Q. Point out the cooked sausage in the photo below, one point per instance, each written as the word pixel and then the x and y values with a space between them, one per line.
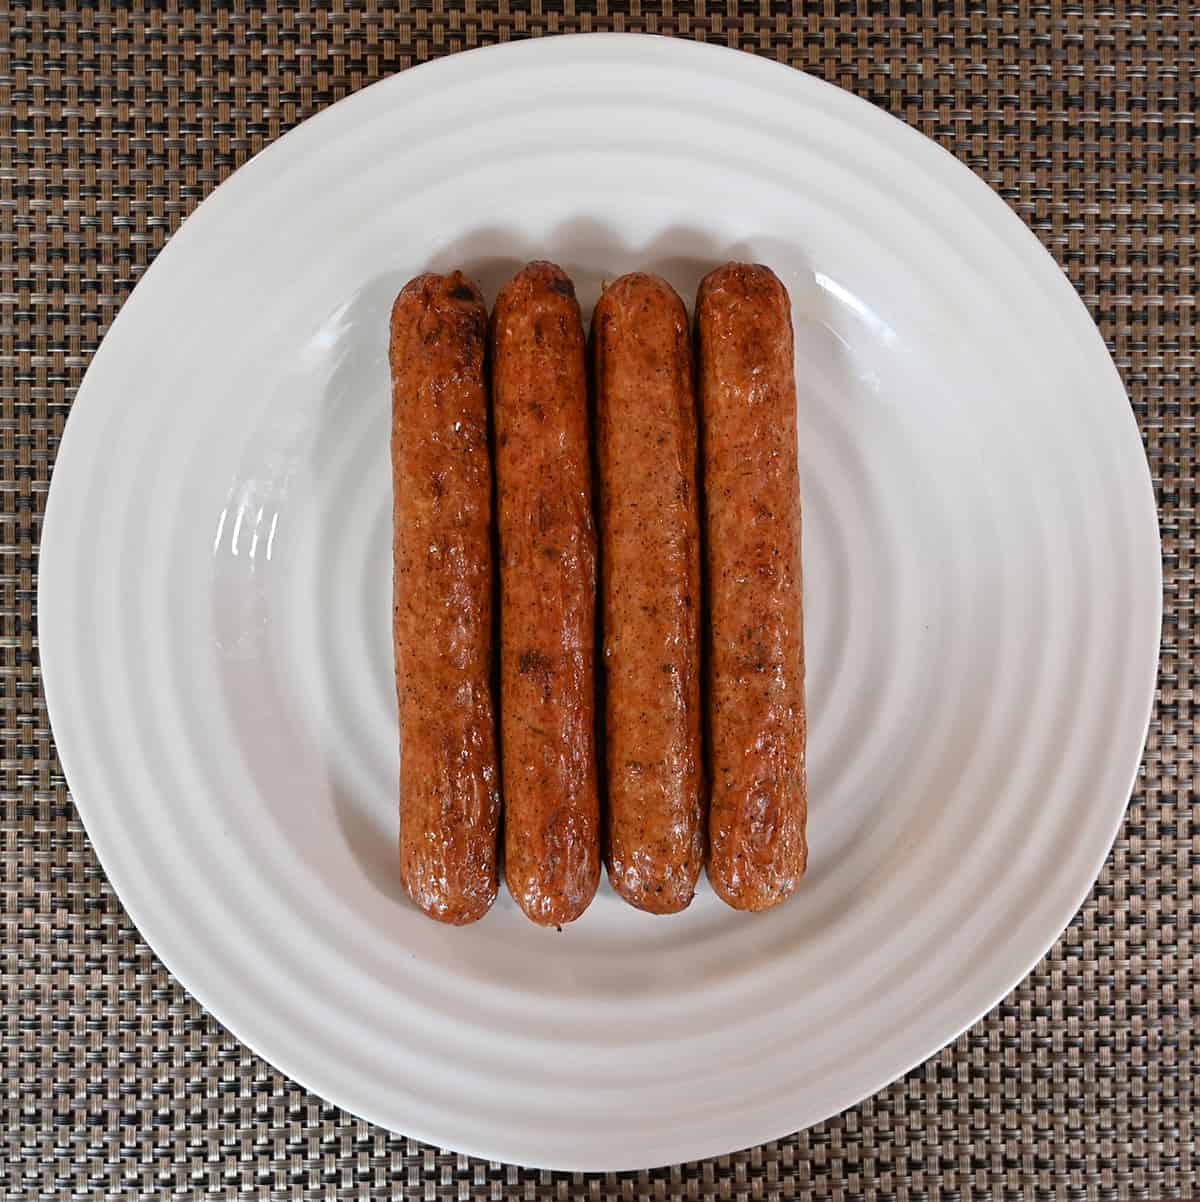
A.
pixel 548 596
pixel 449 778
pixel 650 591
pixel 757 845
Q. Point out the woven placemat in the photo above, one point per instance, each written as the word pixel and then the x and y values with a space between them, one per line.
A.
pixel 113 127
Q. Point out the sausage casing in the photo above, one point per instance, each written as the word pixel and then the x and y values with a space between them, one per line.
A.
pixel 646 455
pixel 548 595
pixel 442 549
pixel 757 723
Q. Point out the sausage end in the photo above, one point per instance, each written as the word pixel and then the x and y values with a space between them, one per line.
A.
pixel 666 894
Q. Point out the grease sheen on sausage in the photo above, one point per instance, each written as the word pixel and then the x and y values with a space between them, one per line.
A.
pixel 442 550
pixel 650 591
pixel 757 722
pixel 548 593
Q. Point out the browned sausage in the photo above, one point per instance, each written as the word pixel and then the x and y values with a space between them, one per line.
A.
pixel 757 847
pixel 548 595
pixel 650 592
pixel 449 779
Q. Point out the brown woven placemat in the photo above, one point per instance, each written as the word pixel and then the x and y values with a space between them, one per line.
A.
pixel 114 125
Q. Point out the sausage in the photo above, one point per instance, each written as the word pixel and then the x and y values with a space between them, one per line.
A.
pixel 548 596
pixel 442 548
pixel 757 723
pixel 646 454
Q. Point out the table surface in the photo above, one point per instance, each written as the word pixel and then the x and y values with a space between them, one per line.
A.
pixel 114 126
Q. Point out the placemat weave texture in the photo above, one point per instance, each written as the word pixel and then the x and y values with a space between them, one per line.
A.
pixel 115 124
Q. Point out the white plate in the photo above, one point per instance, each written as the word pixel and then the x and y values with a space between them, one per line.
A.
pixel 982 575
